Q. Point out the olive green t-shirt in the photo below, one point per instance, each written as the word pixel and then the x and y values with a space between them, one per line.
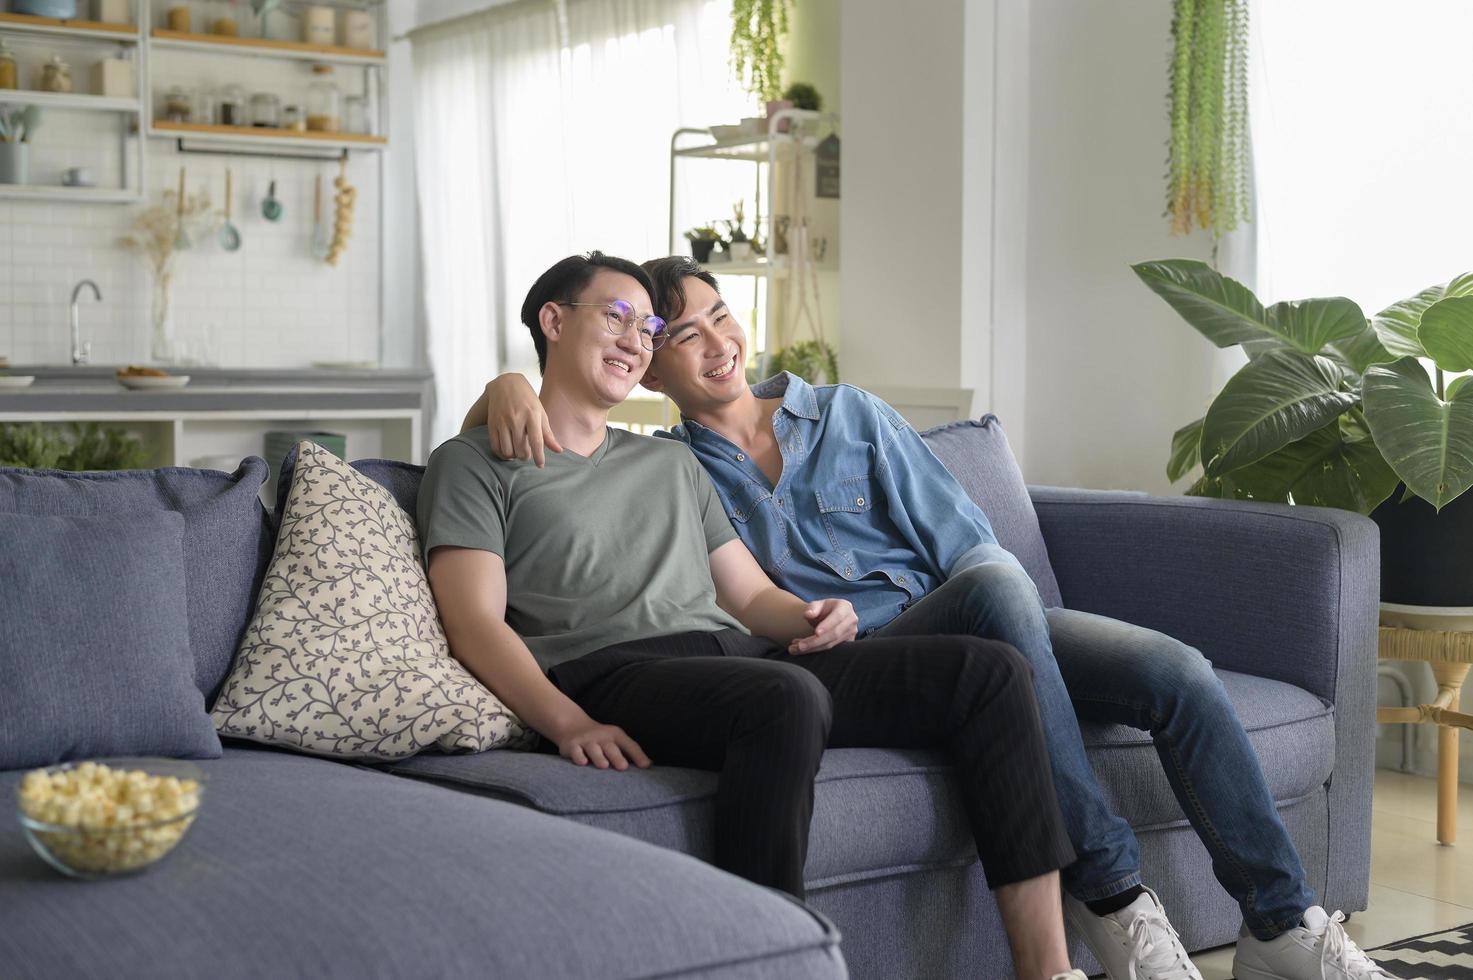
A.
pixel 599 550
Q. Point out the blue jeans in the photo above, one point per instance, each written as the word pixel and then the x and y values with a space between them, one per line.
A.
pixel 1099 669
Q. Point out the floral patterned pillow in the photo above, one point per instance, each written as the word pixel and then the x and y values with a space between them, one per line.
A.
pixel 345 655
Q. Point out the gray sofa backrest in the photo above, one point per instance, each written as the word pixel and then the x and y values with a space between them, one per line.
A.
pixel 227 539
pixel 975 451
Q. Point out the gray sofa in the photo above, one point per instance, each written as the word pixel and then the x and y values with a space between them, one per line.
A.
pixel 1282 600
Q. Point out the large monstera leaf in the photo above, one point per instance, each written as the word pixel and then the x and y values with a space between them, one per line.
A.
pixel 1427 441
pixel 1334 466
pixel 1275 399
pixel 1225 312
pixel 1446 332
pixel 1397 325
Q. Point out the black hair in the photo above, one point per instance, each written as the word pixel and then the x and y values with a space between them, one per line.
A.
pixel 563 282
pixel 668 276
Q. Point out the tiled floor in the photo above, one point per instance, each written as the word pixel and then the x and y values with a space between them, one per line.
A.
pixel 1417 886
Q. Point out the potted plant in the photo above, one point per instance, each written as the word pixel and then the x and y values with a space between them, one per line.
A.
pixel 1336 410
pixel 812 360
pixel 736 243
pixel 759 29
pixel 16 129
pixel 703 239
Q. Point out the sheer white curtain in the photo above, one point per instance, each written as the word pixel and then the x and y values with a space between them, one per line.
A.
pixel 541 132
pixel 1363 144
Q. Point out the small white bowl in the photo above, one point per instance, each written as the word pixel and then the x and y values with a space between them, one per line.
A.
pixel 141 382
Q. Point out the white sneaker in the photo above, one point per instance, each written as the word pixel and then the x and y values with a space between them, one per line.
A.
pixel 1317 950
pixel 1071 975
pixel 1135 943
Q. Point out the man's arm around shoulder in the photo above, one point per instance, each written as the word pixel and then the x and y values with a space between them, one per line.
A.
pixel 470 590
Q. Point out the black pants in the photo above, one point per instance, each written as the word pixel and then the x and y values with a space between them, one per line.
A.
pixel 743 706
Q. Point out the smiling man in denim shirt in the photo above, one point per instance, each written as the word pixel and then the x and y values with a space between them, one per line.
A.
pixel 836 495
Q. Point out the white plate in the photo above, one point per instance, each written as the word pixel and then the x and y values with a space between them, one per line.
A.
pixel 346 365
pixel 138 382
pixel 16 380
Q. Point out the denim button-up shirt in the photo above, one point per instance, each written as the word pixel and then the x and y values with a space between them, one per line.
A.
pixel 863 510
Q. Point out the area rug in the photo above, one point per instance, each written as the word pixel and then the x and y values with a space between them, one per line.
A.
pixel 1445 955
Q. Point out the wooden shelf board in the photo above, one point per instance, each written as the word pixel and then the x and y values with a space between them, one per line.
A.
pixel 93 195
pixel 248 133
pixel 86 28
pixel 69 100
pixel 265 47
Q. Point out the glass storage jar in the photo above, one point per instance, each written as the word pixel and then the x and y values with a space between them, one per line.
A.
pixel 177 105
pixel 265 110
pixel 56 75
pixel 230 108
pixel 324 102
pixel 9 75
pixel 355 115
pixel 292 118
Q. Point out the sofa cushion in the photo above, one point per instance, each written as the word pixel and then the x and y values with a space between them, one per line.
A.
pixel 227 538
pixel 978 455
pixel 886 811
pixel 346 655
pixel 95 660
pixel 301 867
pixel 400 479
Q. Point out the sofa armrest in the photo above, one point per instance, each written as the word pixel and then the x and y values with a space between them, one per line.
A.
pixel 1288 593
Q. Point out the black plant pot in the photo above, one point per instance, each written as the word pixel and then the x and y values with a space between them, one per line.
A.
pixel 700 249
pixel 1425 556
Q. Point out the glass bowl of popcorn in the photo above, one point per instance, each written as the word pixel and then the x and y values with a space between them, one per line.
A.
pixel 110 816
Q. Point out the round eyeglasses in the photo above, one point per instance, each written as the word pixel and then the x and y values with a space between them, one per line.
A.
pixel 619 316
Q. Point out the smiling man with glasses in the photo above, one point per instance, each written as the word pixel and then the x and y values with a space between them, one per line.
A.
pixel 835 494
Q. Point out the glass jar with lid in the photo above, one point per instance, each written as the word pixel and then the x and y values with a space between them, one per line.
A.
pixel 265 110
pixel 9 74
pixel 324 101
pixel 292 118
pixel 56 76
pixel 230 106
pixel 177 104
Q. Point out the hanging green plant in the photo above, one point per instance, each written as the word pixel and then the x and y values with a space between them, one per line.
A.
pixel 758 29
pixel 1208 168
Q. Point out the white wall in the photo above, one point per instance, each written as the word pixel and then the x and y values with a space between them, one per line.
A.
pixel 1112 371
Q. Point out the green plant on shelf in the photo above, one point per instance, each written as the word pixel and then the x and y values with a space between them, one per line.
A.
pixel 734 230
pixel 74 446
pixel 703 233
pixel 803 96
pixel 19 125
pixel 812 360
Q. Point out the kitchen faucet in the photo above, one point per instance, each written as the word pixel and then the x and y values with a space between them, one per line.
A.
pixel 81 353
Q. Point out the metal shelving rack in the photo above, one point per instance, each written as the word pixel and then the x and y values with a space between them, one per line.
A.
pixel 91 34
pixel 788 132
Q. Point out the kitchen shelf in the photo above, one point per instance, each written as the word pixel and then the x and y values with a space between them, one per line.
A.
pixel 70 28
pixel 69 100
pixel 78 195
pixel 263 48
pixel 261 136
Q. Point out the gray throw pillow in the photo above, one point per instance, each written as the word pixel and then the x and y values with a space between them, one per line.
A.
pixel 94 641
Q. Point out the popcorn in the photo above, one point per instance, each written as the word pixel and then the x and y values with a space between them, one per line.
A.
pixel 116 820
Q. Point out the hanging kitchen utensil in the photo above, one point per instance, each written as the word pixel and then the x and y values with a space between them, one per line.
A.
pixel 342 223
pixel 181 237
pixel 229 235
pixel 271 208
pixel 321 239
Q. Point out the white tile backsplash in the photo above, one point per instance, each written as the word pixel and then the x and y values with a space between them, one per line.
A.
pixel 271 304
